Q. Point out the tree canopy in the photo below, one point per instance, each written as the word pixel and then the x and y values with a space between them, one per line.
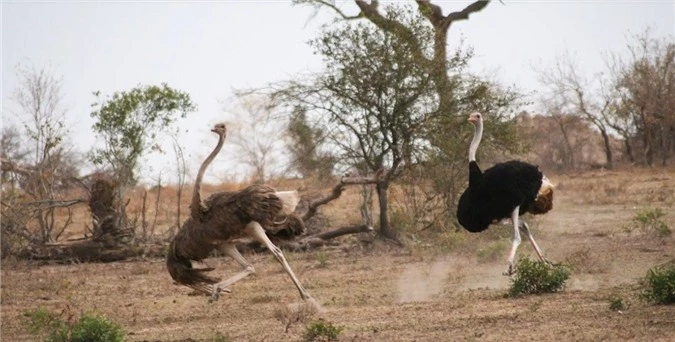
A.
pixel 128 123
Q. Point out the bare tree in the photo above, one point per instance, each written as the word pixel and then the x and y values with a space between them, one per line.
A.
pixel 258 135
pixel 644 93
pixel 568 91
pixel 181 174
pixel 38 104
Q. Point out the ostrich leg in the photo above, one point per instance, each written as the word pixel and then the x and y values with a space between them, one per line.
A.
pixel 515 243
pixel 526 230
pixel 231 250
pixel 256 231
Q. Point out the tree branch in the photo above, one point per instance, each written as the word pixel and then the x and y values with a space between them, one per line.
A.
pixel 431 11
pixel 331 5
pixel 50 203
pixel 336 192
pixel 464 14
pixel 7 165
pixel 370 11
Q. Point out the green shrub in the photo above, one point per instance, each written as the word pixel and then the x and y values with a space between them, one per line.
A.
pixel 41 320
pixel 535 277
pixel 90 327
pixel 322 331
pixel 616 303
pixel 649 221
pixel 659 285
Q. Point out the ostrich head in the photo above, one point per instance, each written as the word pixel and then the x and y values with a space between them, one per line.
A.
pixel 475 117
pixel 219 129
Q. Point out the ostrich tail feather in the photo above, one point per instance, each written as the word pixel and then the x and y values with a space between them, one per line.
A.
pixel 290 200
pixel 181 270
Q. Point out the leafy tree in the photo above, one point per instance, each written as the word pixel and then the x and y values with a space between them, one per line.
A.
pixel 372 96
pixel 435 62
pixel 377 100
pixel 128 123
pixel 440 153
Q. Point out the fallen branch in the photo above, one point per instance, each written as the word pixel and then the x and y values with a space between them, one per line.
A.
pixel 340 232
pixel 336 192
pixel 309 242
pixel 81 251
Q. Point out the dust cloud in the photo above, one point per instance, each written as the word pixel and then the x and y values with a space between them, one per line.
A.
pixel 423 281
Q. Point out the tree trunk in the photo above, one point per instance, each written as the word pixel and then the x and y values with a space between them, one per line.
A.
pixel 608 149
pixel 629 148
pixel 383 200
pixel 109 221
pixel 568 158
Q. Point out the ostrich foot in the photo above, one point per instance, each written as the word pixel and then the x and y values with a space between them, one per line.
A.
pixel 216 293
pixel 509 271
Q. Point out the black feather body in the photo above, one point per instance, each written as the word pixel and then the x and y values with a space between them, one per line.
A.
pixel 493 195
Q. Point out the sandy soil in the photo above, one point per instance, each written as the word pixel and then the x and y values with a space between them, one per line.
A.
pixel 384 293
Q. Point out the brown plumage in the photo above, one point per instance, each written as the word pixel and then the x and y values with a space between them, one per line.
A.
pixel 226 219
pixel 255 212
pixel 544 202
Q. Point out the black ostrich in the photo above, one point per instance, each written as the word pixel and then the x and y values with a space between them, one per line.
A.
pixel 506 190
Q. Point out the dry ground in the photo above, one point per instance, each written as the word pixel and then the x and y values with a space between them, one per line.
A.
pixel 430 291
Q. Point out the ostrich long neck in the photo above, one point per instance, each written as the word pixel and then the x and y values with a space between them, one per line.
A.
pixel 477 135
pixel 196 195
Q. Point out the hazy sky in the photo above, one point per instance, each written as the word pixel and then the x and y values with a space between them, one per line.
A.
pixel 207 48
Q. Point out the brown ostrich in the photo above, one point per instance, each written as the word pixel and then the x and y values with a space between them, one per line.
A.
pixel 225 217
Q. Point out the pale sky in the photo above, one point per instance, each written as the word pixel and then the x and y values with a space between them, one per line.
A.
pixel 207 48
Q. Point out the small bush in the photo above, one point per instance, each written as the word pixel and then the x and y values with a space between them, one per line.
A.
pixel 649 221
pixel 40 320
pixel 322 331
pixel 660 285
pixel 322 258
pixel 535 277
pixel 90 327
pixel 616 303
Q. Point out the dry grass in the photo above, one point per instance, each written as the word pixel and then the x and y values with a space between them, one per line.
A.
pixel 439 288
